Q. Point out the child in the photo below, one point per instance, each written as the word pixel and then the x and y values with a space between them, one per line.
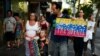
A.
pixel 43 43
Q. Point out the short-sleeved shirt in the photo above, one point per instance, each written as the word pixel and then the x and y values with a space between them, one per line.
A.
pixel 9 23
pixel 89 33
pixel 92 24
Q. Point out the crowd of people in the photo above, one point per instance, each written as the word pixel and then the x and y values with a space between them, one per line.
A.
pixel 39 34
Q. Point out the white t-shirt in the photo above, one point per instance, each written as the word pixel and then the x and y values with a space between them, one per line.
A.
pixel 92 24
pixel 89 33
pixel 31 30
pixel 9 22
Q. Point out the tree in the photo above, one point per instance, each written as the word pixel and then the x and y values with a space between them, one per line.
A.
pixel 87 10
pixel 79 5
pixel 97 3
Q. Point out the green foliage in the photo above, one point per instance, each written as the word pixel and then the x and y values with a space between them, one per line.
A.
pixel 87 10
pixel 97 2
pixel 69 11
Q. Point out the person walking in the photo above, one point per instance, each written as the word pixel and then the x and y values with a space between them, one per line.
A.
pixel 18 29
pixel 31 30
pixel 90 36
pixel 57 44
pixel 9 26
pixel 78 42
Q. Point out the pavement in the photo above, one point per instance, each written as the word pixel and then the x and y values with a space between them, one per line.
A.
pixel 21 50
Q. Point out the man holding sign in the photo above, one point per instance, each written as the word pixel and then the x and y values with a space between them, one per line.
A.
pixel 72 28
pixel 57 44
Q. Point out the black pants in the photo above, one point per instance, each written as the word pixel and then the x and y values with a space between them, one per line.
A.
pixel 9 36
pixel 78 46
pixel 92 45
pixel 45 49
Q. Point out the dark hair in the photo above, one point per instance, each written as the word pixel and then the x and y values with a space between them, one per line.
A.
pixel 65 11
pixel 35 15
pixel 44 32
pixel 10 11
pixel 79 12
pixel 90 16
pixel 16 14
pixel 58 5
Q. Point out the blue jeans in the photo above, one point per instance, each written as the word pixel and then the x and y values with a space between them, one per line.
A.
pixel 57 48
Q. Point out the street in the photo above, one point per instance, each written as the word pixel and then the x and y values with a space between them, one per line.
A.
pixel 21 50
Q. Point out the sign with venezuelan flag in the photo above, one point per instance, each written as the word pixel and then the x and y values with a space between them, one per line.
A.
pixel 69 27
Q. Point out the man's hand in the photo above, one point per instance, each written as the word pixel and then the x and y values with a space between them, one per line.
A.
pixel 73 18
